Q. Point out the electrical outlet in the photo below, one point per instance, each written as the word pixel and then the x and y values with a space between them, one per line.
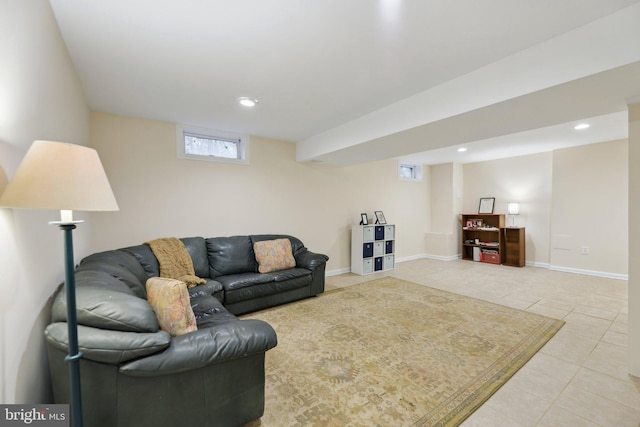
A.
pixel 585 250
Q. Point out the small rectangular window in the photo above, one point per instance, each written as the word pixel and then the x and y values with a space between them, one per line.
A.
pixel 409 172
pixel 211 145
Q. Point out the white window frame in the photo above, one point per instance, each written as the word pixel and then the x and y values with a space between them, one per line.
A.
pixel 416 169
pixel 243 144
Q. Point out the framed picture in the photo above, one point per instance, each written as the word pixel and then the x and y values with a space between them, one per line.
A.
pixel 486 205
pixel 380 218
pixel 363 219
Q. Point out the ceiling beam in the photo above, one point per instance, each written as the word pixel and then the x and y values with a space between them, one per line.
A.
pixel 583 73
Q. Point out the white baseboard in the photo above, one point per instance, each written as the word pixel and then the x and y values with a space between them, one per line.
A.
pixel 337 272
pixel 590 272
pixel 537 264
pixel 411 258
pixel 442 257
pixel 529 264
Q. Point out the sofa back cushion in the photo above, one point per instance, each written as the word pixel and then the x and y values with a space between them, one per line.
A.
pixel 147 260
pixel 197 248
pixel 119 264
pixel 103 301
pixel 230 255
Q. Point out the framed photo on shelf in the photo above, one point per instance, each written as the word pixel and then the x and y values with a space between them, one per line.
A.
pixel 363 219
pixel 380 218
pixel 486 205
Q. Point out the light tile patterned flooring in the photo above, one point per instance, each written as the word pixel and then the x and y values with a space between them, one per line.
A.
pixel 579 378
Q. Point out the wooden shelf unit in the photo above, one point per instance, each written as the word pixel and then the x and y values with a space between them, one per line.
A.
pixel 514 246
pixel 487 239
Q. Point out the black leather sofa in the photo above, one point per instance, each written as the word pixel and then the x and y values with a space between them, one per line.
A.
pixel 133 374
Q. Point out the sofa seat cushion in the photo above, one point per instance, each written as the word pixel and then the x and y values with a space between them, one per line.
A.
pixel 212 287
pixel 233 282
pixel 209 311
pixel 241 287
pixel 292 273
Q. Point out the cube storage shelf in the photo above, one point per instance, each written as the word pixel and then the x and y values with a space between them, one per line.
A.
pixel 372 248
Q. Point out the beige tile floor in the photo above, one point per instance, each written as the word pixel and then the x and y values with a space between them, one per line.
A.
pixel 579 378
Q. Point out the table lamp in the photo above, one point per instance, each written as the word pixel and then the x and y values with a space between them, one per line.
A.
pixel 513 209
pixel 65 177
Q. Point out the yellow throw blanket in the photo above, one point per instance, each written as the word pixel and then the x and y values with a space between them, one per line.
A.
pixel 174 260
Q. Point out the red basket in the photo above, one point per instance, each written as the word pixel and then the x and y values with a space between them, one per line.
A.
pixel 490 258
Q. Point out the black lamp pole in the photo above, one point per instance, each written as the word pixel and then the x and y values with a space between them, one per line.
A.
pixel 72 324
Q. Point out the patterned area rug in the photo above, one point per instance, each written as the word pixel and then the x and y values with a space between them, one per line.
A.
pixel 392 353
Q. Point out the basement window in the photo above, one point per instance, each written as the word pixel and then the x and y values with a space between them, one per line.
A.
pixel 211 145
pixel 409 172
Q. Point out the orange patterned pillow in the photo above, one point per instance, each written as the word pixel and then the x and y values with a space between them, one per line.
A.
pixel 169 299
pixel 274 255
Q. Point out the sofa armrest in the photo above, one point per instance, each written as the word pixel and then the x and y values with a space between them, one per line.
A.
pixel 310 260
pixel 108 346
pixel 206 346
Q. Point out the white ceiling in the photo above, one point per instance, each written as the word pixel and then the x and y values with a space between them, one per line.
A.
pixel 363 80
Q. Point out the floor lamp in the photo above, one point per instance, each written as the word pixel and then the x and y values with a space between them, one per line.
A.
pixel 65 177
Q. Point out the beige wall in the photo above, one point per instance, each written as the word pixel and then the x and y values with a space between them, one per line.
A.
pixel 590 208
pixel 569 199
pixel 41 99
pixel 443 239
pixel 161 196
pixel 523 179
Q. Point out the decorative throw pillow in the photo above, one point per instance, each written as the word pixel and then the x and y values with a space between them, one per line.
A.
pixel 274 255
pixel 169 299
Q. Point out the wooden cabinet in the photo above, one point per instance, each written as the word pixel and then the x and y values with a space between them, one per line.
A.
pixel 372 248
pixel 514 254
pixel 482 237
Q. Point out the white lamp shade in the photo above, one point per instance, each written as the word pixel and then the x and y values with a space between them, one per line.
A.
pixel 513 208
pixel 60 176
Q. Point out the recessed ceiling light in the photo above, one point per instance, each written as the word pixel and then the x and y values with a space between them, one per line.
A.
pixel 581 126
pixel 461 150
pixel 247 102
